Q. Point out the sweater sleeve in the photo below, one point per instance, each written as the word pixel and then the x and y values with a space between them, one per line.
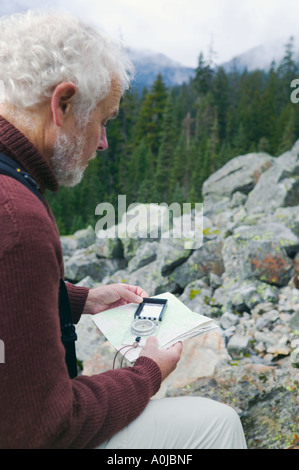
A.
pixel 40 406
pixel 77 297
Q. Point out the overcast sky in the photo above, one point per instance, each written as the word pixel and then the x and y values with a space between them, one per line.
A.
pixel 182 28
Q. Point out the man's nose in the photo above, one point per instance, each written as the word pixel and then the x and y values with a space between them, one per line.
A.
pixel 103 145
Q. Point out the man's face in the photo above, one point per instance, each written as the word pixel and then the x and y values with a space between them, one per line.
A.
pixel 73 150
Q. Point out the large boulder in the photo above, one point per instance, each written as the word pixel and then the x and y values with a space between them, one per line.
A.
pixel 79 240
pixel 203 261
pixel 239 175
pixel 84 262
pixel 265 397
pixel 277 187
pixel 260 252
pixel 243 295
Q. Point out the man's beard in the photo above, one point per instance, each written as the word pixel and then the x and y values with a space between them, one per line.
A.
pixel 67 159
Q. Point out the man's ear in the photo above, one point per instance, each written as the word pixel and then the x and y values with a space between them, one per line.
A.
pixel 61 102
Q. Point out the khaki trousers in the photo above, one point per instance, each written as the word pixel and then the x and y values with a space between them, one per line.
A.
pixel 182 423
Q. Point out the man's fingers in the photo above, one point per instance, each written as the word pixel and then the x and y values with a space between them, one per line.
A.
pixel 132 294
pixel 152 341
pixel 178 346
pixel 129 296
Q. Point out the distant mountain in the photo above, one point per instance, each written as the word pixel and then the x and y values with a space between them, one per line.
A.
pixel 260 57
pixel 149 64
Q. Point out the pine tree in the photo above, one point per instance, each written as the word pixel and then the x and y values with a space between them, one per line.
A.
pixel 197 172
pixel 203 76
pixel 150 118
pixel 287 71
pixel 140 173
pixel 220 99
pixel 178 169
pixel 288 68
pixel 166 152
pixel 268 112
pixel 240 143
pixel 287 126
pixel 213 142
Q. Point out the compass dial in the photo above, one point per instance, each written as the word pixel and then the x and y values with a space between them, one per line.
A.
pixel 143 327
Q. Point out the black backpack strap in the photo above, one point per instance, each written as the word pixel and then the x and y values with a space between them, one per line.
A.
pixel 68 333
pixel 11 168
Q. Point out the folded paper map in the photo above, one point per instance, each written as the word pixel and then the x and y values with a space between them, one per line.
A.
pixel 179 323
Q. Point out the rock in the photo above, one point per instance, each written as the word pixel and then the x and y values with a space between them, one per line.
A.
pixel 200 357
pixel 266 399
pixel 238 345
pixel 80 239
pixel 272 315
pixel 88 282
pixel 197 295
pixel 261 308
pixel 285 216
pixel 202 262
pixel 269 338
pixel 270 231
pixel 171 252
pixel 238 199
pixel 295 353
pixel 228 320
pixel 240 174
pixel 101 359
pixel 215 281
pixel 68 244
pixel 242 296
pixel 262 323
pixel 294 322
pixel 148 277
pixel 109 248
pixel 85 237
pixel 250 256
pixel 89 338
pixel 84 263
pixel 282 183
pixel 145 254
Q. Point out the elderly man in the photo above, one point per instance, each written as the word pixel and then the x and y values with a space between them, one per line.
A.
pixel 61 82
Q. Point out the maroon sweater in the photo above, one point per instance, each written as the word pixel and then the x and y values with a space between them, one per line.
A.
pixel 40 406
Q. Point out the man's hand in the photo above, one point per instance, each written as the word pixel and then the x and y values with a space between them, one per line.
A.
pixel 113 295
pixel 166 359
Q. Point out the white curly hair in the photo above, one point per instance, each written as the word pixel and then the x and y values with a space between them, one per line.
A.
pixel 40 49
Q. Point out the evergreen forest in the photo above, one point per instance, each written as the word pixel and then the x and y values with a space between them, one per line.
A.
pixel 167 141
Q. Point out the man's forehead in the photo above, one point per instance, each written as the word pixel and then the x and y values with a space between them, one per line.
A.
pixel 112 100
pixel 107 110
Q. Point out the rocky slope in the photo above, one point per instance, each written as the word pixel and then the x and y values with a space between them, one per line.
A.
pixel 244 275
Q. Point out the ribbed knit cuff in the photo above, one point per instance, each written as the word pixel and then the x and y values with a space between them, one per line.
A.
pixel 153 371
pixel 77 296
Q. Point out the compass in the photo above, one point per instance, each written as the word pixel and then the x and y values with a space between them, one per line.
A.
pixel 143 327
